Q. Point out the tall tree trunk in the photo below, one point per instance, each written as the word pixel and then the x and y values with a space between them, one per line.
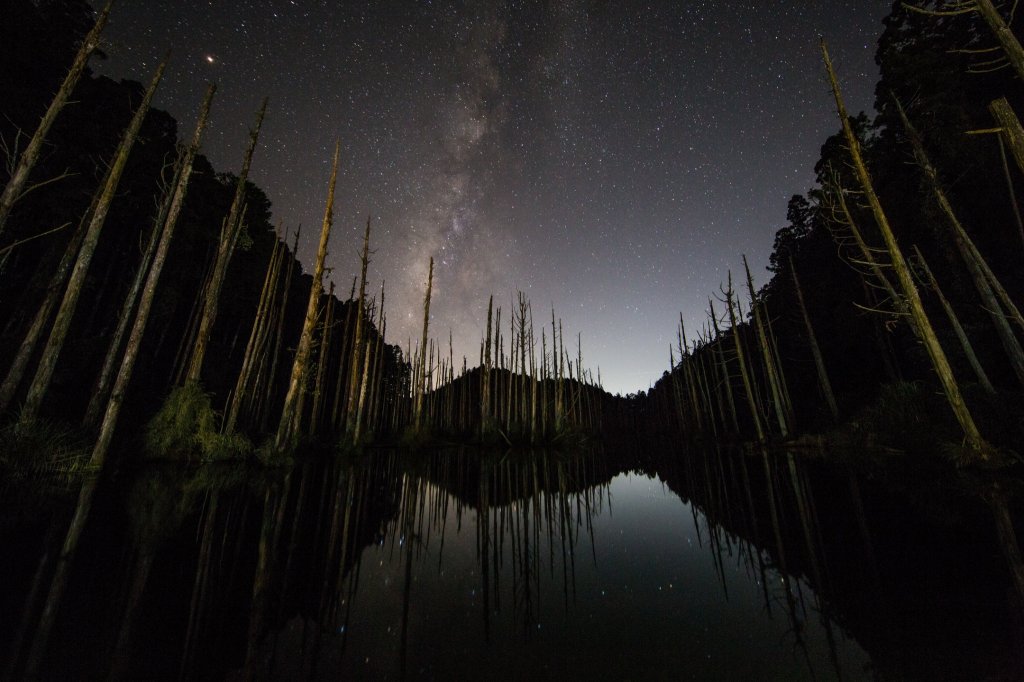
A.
pixel 358 343
pixel 958 329
pixel 920 320
pixel 287 431
pixel 1011 46
pixel 755 412
pixel 275 353
pixel 228 237
pixel 54 290
pixel 120 387
pixel 254 348
pixel 19 177
pixel 99 395
pixel 771 369
pixel 485 391
pixel 971 256
pixel 421 387
pixel 819 362
pixel 58 334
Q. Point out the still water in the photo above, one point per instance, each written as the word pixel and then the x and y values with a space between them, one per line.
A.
pixel 469 565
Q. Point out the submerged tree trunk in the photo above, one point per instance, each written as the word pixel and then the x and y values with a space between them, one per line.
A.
pixel 228 238
pixel 19 177
pixel 58 334
pixel 972 436
pixel 287 430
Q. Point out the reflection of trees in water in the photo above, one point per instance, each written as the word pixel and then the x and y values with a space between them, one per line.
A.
pixel 287 550
pixel 820 549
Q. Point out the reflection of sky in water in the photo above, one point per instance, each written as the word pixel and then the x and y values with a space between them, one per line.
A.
pixel 650 606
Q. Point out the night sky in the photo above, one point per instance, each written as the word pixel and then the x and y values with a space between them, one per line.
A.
pixel 613 159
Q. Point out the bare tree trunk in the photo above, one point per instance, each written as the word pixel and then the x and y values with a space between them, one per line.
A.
pixel 819 362
pixel 275 354
pixel 257 339
pixel 228 237
pixel 485 391
pixel 287 431
pixel 421 387
pixel 358 344
pixel 755 412
pixel 58 334
pixel 16 184
pixel 54 289
pixel 117 393
pixel 954 321
pixel 970 255
pixel 972 436
pixel 98 397
pixel 1011 46
pixel 766 355
pixel 322 361
pixel 361 404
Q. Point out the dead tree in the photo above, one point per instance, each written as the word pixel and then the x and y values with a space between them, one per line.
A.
pixel 291 416
pixel 58 334
pixel 919 318
pixel 228 238
pixel 15 187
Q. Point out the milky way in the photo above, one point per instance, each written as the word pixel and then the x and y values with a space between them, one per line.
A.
pixel 610 159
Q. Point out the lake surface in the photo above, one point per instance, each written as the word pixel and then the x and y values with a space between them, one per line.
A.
pixel 638 564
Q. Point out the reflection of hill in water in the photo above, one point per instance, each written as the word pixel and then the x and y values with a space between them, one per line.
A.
pixel 515 476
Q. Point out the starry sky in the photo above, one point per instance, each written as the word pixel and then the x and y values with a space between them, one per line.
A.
pixel 610 159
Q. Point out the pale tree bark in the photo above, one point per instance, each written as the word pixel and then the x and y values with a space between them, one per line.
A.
pixel 58 334
pixel 958 329
pixel 766 355
pixel 972 436
pixel 228 238
pixel 287 431
pixel 485 391
pixel 98 397
pixel 19 177
pixel 134 343
pixel 748 386
pixel 54 291
pixel 819 361
pixel 1011 46
pixel 972 258
pixel 257 337
pixel 361 406
pixel 358 344
pixel 421 386
pixel 275 353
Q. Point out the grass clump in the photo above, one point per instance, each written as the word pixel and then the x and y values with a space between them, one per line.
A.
pixel 43 447
pixel 187 427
